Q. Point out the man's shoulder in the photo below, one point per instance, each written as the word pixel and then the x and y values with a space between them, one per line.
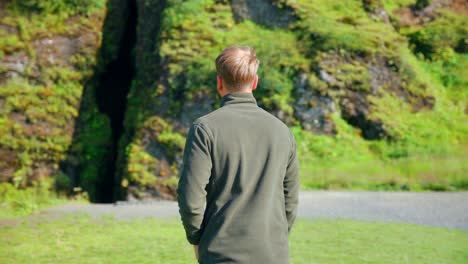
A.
pixel 213 118
pixel 273 118
pixel 279 124
pixel 206 119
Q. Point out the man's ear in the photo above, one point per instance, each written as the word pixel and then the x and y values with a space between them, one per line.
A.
pixel 255 82
pixel 219 82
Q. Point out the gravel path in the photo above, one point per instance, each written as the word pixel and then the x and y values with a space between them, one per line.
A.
pixel 443 209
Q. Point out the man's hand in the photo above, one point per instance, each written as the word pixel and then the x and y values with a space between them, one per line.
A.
pixel 291 184
pixel 194 177
pixel 195 247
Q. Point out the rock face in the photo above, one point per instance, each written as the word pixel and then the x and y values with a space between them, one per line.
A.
pixel 45 59
pixel 312 109
pixel 428 11
pixel 263 12
pixel 104 97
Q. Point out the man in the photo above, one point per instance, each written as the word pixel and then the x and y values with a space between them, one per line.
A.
pixel 241 161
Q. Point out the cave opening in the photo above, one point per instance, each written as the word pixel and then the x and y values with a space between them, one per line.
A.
pixel 111 96
pixel 370 130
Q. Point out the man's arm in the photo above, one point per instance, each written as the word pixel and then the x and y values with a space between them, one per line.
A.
pixel 195 175
pixel 291 185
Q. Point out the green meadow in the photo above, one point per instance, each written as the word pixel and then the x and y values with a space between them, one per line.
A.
pixel 83 239
pixel 397 78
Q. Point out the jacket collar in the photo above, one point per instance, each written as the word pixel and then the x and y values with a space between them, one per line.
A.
pixel 238 97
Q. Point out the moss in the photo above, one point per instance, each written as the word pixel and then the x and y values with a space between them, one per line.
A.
pixel 63 7
pixel 435 132
pixel 421 4
pixel 452 72
pixel 424 64
pixel 415 79
pixel 172 141
pixel 36 19
pixel 194 32
pixel 448 30
pixel 323 148
pixel 392 5
pixel 195 36
pixel 165 135
pixel 171 182
pixel 140 166
pixel 352 74
pixel 41 104
pixel 149 169
pixel 335 25
pixel 94 145
pixel 11 43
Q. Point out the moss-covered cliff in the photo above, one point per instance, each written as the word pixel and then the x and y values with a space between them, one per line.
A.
pixel 370 88
pixel 47 53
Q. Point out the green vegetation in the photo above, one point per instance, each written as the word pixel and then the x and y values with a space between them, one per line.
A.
pixel 341 38
pixel 193 33
pixel 41 100
pixel 39 134
pixel 392 5
pixel 63 7
pixel 451 72
pixel 408 163
pixel 441 45
pixel 343 26
pixel 448 31
pixel 81 239
pixel 194 37
pixel 421 4
pixel 36 19
pixel 15 202
pixel 407 80
pixel 415 138
pixel 445 173
pixel 141 164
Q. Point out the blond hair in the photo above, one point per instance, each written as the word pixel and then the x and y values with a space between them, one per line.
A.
pixel 238 66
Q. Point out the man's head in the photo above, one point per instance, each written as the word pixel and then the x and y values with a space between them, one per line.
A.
pixel 237 70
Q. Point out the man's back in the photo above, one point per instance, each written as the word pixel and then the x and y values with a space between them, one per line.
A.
pixel 243 160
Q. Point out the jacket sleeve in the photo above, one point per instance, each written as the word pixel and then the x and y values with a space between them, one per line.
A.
pixel 195 175
pixel 291 185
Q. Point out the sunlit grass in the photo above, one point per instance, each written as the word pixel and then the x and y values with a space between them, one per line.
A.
pixel 445 173
pixel 16 202
pixel 81 239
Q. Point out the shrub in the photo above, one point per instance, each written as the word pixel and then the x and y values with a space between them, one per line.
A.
pixel 447 31
pixel 421 4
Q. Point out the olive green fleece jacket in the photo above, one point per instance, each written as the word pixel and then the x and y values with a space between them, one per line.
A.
pixel 239 184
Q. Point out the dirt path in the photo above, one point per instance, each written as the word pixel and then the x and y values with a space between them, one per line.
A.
pixel 443 209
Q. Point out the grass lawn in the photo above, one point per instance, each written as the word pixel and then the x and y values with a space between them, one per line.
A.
pixel 16 202
pixel 82 239
pixel 449 173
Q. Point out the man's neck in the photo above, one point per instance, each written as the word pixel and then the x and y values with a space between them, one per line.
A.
pixel 238 91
